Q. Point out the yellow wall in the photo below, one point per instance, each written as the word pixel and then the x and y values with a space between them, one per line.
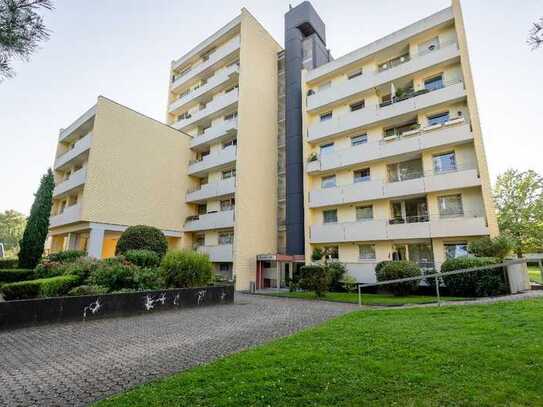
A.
pixel 256 168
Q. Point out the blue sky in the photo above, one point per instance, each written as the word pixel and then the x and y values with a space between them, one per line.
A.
pixel 122 50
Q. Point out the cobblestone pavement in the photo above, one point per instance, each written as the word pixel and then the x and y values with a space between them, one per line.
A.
pixel 74 364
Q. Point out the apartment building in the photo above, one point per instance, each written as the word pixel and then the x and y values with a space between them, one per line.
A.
pixel 395 167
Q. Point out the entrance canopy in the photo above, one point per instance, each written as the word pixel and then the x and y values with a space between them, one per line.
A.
pixel 276 270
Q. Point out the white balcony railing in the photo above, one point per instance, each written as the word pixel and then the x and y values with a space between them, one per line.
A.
pixel 222 52
pixel 79 148
pixel 225 129
pixel 208 221
pixel 217 105
pixel 75 180
pixel 429 226
pixel 212 83
pixel 368 80
pixel 67 132
pixel 70 214
pixel 452 133
pixel 219 253
pixel 212 161
pixel 422 99
pixel 212 190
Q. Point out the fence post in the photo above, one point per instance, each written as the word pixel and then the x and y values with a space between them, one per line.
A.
pixel 359 296
pixel 541 269
pixel 437 292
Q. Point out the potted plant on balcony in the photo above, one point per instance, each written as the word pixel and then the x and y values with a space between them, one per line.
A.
pixel 313 157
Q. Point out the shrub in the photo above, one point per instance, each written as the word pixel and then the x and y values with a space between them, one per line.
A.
pixel 8 264
pixel 335 271
pixel 317 254
pixel 381 264
pixel 47 269
pixel 350 284
pixel 143 258
pixel 66 256
pixel 498 247
pixel 88 290
pixel 81 267
pixel 475 284
pixel 45 287
pixel 114 273
pixel 142 237
pixel 399 269
pixel 185 268
pixel 12 276
pixel 148 279
pixel 314 278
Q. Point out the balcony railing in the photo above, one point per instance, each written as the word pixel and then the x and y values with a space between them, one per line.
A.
pixel 392 63
pixel 217 254
pixel 212 190
pixel 215 133
pixel 79 148
pixel 70 214
pixel 75 180
pixel 211 161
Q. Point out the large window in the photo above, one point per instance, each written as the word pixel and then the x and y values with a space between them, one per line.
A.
pixel 362 175
pixel 454 250
pixel 359 140
pixel 434 83
pixel 226 238
pixel 229 173
pixel 444 163
pixel 329 216
pixel 327 149
pixel 227 204
pixel 229 143
pixel 364 213
pixel 366 252
pixel 328 182
pixel 450 206
pixel 357 105
pixel 326 116
pixel 438 118
pixel 405 170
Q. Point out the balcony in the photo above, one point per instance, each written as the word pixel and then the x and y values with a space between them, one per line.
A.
pixel 79 148
pixel 455 132
pixel 220 79
pixel 213 109
pixel 213 190
pixel 208 221
pixel 222 52
pixel 382 229
pixel 82 124
pixel 77 179
pixel 213 161
pixel 218 254
pixel 447 52
pixel 226 129
pixel 70 214
pixel 371 115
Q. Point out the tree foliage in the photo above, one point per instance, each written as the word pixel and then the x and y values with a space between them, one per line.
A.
pixel 12 225
pixel 519 201
pixel 21 30
pixel 498 247
pixel 535 36
pixel 31 247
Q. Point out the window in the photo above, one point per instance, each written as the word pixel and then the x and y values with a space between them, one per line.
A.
pixel 364 213
pixel 183 116
pixel 231 116
pixel 444 163
pixel 354 74
pixel 202 209
pixel 224 267
pixel 200 240
pixel 227 204
pixel 454 250
pixel 226 238
pixel 326 116
pixel 358 105
pixel 328 182
pixel 229 173
pixel 327 149
pixel 362 175
pixel 405 170
pixel 450 206
pixel 358 140
pixel 203 181
pixel 330 216
pixel 366 252
pixel 325 86
pixel 438 118
pixel 434 83
pixel 229 143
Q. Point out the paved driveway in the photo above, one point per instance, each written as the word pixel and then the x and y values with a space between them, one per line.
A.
pixel 76 363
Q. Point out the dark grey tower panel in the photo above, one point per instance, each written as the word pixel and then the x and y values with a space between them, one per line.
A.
pixel 305 47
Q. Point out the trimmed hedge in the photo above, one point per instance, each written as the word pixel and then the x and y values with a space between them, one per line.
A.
pixel 8 264
pixel 88 290
pixel 186 268
pixel 482 283
pixel 399 269
pixel 45 287
pixel 12 276
pixel 142 237
pixel 66 256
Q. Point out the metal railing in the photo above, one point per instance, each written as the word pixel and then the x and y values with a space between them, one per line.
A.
pixel 411 93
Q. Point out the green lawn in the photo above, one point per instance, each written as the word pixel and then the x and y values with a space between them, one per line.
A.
pixel 478 355
pixel 535 274
pixel 367 299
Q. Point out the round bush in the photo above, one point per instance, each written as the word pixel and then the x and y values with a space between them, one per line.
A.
pixel 186 268
pixel 314 278
pixel 477 283
pixel 399 269
pixel 381 264
pixel 142 237
pixel 143 258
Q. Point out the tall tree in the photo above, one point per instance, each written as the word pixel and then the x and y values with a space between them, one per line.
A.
pixel 21 29
pixel 535 37
pixel 519 200
pixel 37 224
pixel 12 225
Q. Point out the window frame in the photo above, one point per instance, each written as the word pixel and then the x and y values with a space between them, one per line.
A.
pixel 372 253
pixel 432 117
pixel 359 105
pixel 328 177
pixel 362 179
pixel 363 137
pixel 361 219
pixel 324 117
pixel 355 74
pixel 452 168
pixel 440 207
pixel 329 211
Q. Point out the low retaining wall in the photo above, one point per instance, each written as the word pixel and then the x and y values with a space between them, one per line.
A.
pixel 89 307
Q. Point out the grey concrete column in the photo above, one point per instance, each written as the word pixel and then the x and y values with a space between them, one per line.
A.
pixel 96 243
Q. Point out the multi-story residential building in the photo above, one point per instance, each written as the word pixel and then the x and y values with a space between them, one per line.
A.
pixel 395 165
pixel 270 153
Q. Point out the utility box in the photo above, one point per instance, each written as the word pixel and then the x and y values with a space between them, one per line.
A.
pixel 518 277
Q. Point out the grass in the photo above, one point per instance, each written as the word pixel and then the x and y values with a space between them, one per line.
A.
pixel 478 355
pixel 367 299
pixel 535 274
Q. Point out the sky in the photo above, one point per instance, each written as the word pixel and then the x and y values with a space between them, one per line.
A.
pixel 122 49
